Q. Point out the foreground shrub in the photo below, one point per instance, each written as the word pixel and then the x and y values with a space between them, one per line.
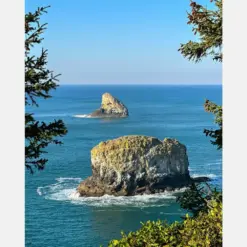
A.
pixel 205 230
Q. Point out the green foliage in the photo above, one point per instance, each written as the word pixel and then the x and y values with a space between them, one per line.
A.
pixel 203 231
pixel 207 24
pixel 39 81
pixel 197 197
pixel 215 134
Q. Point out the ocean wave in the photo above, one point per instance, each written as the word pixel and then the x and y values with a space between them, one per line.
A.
pixel 212 164
pixel 65 179
pixel 89 116
pixel 65 190
pixel 82 116
pixel 153 200
pixel 210 175
pixel 209 168
pixel 39 191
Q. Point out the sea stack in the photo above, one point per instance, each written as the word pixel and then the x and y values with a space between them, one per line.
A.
pixel 132 165
pixel 110 107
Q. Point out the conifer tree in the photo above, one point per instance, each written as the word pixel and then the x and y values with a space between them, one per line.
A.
pixel 39 81
pixel 207 25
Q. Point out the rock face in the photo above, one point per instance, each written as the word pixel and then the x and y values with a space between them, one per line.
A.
pixel 132 165
pixel 110 107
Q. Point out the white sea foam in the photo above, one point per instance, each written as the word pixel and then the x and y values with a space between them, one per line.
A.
pixel 39 191
pixel 212 170
pixel 65 179
pixel 154 200
pixel 87 116
pixel 65 190
pixel 217 163
pixel 210 175
pixel 74 195
pixel 83 116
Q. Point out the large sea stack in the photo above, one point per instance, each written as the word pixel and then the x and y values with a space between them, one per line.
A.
pixel 110 107
pixel 132 165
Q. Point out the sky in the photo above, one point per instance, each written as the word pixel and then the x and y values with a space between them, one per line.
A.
pixel 121 42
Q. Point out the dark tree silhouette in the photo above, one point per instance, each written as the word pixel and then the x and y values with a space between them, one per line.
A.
pixel 207 24
pixel 39 81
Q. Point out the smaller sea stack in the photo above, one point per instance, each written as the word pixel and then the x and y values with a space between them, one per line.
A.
pixel 111 108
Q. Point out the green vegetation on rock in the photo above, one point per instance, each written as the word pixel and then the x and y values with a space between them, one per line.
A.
pixel 140 143
pixel 135 164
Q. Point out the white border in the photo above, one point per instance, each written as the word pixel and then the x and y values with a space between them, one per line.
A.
pixel 234 121
pixel 12 123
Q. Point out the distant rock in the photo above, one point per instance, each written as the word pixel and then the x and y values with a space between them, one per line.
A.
pixel 110 107
pixel 132 165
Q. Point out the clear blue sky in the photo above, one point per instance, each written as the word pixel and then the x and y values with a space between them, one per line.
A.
pixel 122 41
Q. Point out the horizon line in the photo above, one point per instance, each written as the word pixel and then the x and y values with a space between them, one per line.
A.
pixel 138 84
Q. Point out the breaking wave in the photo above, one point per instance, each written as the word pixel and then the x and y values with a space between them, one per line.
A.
pixel 83 116
pixel 211 170
pixel 65 190
pixel 212 176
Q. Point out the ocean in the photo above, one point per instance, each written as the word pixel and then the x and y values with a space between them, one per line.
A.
pixel 55 217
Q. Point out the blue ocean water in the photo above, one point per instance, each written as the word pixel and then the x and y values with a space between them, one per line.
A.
pixel 55 217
